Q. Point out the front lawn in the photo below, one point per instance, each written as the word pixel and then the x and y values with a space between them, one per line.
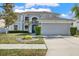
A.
pixel 10 38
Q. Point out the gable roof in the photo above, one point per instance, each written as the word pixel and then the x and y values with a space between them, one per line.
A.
pixel 59 18
pixel 56 15
pixel 30 12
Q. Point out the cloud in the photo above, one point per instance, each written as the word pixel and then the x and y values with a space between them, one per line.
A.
pixel 49 4
pixel 18 10
pixel 63 15
pixel 32 9
pixel 18 7
pixel 68 15
pixel 40 9
pixel 29 5
pixel 39 1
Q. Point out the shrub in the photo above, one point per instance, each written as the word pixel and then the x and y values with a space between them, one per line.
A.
pixel 73 30
pixel 37 30
pixel 18 32
pixel 27 37
pixel 23 52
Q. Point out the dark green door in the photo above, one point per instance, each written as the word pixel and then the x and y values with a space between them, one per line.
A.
pixel 33 30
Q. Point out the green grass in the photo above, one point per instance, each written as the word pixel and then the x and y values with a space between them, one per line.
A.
pixel 11 39
pixel 23 52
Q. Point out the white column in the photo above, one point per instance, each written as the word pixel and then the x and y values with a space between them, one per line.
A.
pixel 21 23
pixel 30 25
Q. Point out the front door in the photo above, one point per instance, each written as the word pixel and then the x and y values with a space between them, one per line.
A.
pixel 34 23
pixel 33 30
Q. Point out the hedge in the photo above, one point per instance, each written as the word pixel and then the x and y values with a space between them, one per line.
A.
pixel 18 32
pixel 73 30
pixel 23 52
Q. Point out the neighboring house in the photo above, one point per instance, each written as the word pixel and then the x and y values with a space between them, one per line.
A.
pixel 76 24
pixel 51 23
pixel 2 25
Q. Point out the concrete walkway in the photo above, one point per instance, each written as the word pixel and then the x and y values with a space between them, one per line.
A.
pixel 23 46
pixel 65 46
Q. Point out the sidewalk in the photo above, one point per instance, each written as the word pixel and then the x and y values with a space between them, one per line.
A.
pixel 23 46
pixel 50 36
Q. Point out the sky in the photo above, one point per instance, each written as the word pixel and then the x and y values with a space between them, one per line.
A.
pixel 64 9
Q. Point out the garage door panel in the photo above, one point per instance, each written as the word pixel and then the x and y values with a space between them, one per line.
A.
pixel 55 29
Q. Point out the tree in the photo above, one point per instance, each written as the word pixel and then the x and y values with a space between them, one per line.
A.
pixel 75 10
pixel 9 16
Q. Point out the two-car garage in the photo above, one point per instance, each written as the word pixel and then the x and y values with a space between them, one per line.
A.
pixel 56 28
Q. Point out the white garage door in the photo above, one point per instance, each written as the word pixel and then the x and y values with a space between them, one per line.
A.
pixel 55 29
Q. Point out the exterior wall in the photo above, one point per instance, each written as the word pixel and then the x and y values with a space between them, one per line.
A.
pixel 55 28
pixel 76 24
pixel 21 20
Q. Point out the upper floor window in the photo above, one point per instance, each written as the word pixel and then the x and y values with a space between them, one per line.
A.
pixel 35 21
pixel 26 18
pixel 34 18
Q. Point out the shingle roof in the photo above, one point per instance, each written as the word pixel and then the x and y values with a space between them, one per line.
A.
pixel 42 12
pixel 29 12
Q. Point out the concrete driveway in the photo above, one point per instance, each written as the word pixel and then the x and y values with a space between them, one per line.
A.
pixel 63 46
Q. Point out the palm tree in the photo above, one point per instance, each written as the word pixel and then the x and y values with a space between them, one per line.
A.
pixel 9 16
pixel 75 10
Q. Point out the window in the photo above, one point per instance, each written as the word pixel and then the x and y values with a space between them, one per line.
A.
pixel 26 18
pixel 26 27
pixel 34 18
pixel 34 21
pixel 15 27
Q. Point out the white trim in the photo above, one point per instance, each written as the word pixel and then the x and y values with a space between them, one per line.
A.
pixel 30 26
pixel 34 16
